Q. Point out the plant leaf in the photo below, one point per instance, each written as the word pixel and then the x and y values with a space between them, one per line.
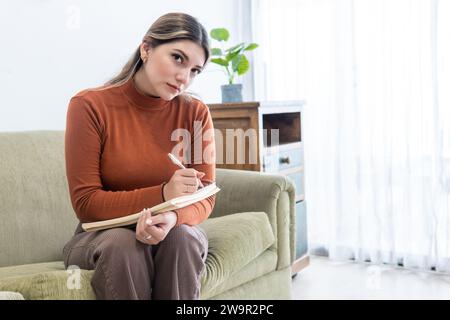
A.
pixel 235 62
pixel 216 52
pixel 230 56
pixel 220 34
pixel 251 46
pixel 243 66
pixel 220 61
pixel 236 47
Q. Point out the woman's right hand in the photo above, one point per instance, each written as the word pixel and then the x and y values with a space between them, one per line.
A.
pixel 183 182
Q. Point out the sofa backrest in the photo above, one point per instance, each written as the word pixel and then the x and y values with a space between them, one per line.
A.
pixel 37 218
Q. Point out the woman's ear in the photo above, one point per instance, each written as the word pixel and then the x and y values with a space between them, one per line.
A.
pixel 145 51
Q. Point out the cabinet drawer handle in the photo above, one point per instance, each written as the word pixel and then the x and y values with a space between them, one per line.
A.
pixel 286 160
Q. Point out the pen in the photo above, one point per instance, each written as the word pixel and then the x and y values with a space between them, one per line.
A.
pixel 178 163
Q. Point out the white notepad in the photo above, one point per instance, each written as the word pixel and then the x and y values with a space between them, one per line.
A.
pixel 175 203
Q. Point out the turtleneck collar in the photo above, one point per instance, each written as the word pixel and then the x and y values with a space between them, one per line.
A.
pixel 140 99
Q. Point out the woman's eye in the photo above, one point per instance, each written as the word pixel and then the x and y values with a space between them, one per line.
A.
pixel 196 72
pixel 177 57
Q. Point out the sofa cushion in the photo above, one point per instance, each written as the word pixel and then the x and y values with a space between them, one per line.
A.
pixel 40 281
pixel 30 269
pixel 264 264
pixel 234 242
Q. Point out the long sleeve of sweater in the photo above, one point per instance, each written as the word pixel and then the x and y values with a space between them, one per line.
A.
pixel 83 153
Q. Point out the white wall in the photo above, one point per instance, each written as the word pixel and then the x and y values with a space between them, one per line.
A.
pixel 51 49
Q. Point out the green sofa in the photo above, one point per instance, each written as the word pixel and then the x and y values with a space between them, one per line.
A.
pixel 251 230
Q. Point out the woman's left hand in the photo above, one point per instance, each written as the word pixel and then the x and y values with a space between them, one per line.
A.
pixel 154 229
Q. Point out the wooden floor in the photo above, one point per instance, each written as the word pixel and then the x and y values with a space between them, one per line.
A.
pixel 325 279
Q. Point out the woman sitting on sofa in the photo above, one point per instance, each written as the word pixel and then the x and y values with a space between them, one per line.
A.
pixel 117 140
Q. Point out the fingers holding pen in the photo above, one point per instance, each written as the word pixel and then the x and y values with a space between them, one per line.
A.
pixel 195 177
pixel 190 172
pixel 182 182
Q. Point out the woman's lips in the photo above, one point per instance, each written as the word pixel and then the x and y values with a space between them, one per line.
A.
pixel 173 87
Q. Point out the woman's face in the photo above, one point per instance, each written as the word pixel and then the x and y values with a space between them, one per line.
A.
pixel 171 67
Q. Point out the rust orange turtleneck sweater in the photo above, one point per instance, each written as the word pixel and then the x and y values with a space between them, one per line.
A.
pixel 116 147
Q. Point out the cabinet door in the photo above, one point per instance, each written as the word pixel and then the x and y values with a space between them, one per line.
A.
pixel 298 178
pixel 284 159
pixel 236 136
pixel 301 230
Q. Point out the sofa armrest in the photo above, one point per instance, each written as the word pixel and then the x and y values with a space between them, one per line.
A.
pixel 274 194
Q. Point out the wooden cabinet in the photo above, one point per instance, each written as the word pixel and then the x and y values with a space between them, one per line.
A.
pixel 266 137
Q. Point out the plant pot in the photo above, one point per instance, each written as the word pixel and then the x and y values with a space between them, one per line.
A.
pixel 231 93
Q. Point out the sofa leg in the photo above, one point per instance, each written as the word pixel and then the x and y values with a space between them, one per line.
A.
pixel 299 265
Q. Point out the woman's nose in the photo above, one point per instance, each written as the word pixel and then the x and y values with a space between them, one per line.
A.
pixel 183 77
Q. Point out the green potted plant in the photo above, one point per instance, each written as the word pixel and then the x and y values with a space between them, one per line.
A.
pixel 233 60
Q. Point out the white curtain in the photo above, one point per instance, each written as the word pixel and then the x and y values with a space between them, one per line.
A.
pixel 375 75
